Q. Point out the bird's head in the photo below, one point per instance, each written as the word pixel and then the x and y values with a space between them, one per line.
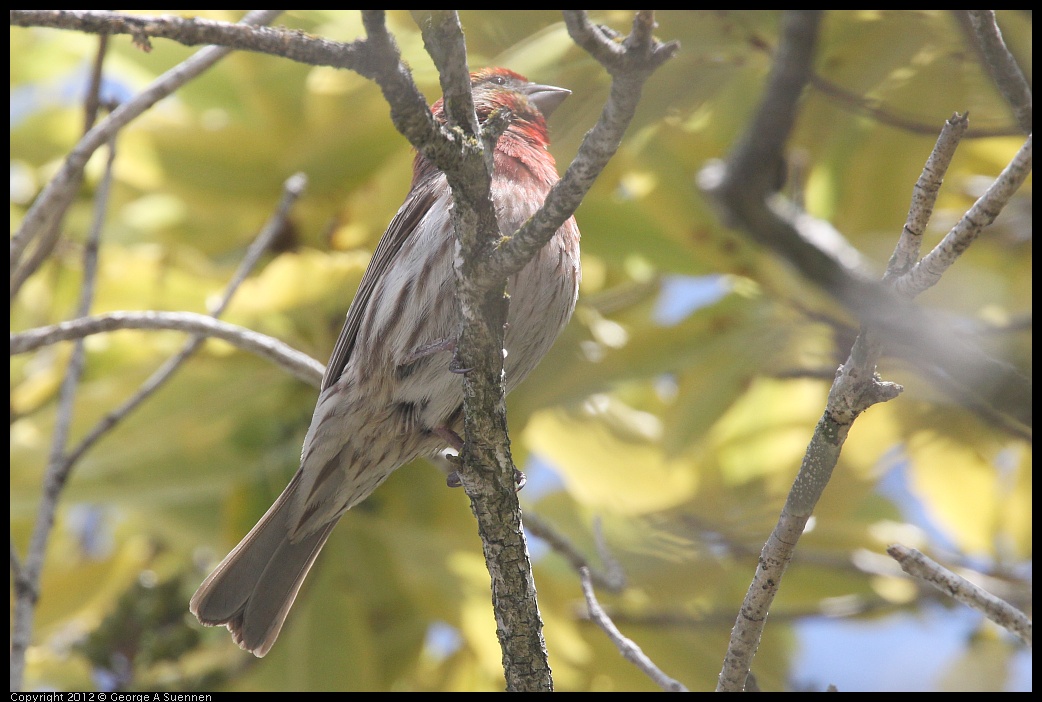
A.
pixel 495 88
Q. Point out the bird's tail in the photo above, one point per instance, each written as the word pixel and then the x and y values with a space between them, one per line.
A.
pixel 253 588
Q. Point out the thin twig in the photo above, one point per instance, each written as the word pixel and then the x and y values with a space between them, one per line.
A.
pixel 706 621
pixel 928 271
pixel 613 572
pixel 92 103
pixel 300 365
pixel 923 568
pixel 629 650
pixel 56 473
pixel 292 190
pixel 860 104
pixel 876 109
pixel 611 577
pixel 924 195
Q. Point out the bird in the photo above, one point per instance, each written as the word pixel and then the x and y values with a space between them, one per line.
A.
pixel 391 391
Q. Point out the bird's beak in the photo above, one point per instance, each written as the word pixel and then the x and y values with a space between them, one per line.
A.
pixel 546 97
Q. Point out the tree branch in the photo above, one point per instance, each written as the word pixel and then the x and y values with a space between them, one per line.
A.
pixel 959 588
pixel 630 64
pixel 293 188
pixel 298 364
pixel 56 473
pixel 1001 65
pixel 487 473
pixel 862 105
pixel 443 40
pixel 928 271
pixel 629 650
pixel 611 577
pixel 924 196
pixel 194 31
pixel 742 188
pixel 464 156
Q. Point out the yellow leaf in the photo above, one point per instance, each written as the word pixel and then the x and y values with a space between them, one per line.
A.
pixel 601 469
pixel 959 488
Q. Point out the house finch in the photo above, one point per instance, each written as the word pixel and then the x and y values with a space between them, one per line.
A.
pixel 389 393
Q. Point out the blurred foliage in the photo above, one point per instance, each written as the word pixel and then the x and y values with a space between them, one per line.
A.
pixel 677 422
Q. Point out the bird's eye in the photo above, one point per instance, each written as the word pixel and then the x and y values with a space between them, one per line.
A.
pixel 499 80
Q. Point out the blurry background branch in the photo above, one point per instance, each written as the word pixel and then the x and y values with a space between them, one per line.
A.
pixel 298 364
pixel 742 187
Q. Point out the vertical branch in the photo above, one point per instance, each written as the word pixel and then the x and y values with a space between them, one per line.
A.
pixel 28 583
pixel 924 196
pixel 93 101
pixel 742 188
pixel 1001 65
pixel 487 472
pixel 483 265
pixel 443 39
pixel 487 467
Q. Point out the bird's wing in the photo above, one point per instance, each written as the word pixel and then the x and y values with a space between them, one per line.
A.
pixel 417 204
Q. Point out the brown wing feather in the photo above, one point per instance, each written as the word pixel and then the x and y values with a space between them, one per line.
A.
pixel 416 206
